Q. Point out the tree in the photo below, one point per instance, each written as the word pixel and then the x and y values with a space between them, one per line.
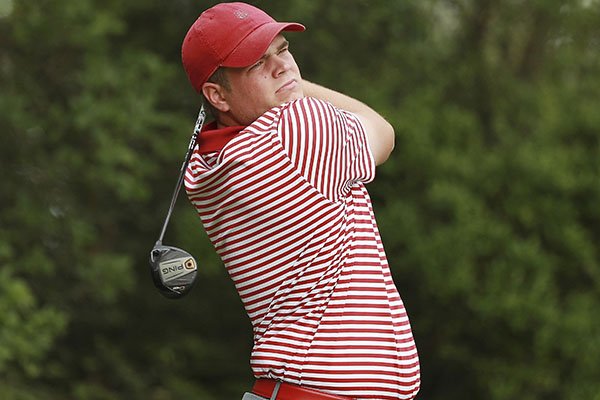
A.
pixel 496 172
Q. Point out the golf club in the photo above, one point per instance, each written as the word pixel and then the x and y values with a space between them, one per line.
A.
pixel 173 269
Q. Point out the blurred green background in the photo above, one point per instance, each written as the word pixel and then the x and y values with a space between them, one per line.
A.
pixel 489 206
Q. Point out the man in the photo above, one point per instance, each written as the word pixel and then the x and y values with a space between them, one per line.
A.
pixel 278 181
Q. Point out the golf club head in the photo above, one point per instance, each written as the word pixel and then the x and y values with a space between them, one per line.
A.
pixel 173 270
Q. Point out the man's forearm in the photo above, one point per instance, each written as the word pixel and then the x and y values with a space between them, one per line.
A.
pixel 338 99
pixel 380 134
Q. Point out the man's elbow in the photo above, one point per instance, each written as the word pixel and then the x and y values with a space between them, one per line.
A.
pixel 386 143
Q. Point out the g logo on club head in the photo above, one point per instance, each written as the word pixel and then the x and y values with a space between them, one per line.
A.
pixel 189 264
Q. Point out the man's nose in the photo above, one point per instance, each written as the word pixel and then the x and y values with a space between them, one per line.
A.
pixel 281 65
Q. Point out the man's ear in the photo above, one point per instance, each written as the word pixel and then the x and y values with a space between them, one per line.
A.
pixel 215 94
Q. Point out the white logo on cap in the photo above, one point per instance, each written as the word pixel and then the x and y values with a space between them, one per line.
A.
pixel 240 14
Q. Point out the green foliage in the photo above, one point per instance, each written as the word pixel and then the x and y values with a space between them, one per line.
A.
pixel 488 207
pixel 28 330
pixel 498 168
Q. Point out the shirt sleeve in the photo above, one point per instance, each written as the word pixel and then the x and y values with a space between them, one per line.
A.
pixel 328 146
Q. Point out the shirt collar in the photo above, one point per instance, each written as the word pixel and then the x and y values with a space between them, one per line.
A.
pixel 213 139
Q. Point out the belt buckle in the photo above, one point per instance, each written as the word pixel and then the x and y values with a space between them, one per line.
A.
pixel 252 396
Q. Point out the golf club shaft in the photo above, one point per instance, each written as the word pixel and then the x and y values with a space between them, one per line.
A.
pixel 188 156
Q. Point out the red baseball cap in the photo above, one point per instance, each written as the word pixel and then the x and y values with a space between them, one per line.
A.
pixel 228 35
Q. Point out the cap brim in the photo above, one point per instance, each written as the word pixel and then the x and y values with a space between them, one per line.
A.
pixel 256 43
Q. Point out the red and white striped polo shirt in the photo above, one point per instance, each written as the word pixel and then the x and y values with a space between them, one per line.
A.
pixel 285 206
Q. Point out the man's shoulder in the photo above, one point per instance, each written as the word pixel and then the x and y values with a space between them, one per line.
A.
pixel 307 109
pixel 308 101
pixel 302 112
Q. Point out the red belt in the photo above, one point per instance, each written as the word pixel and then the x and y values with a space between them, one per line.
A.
pixel 288 391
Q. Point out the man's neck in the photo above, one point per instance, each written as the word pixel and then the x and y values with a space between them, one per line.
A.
pixel 225 120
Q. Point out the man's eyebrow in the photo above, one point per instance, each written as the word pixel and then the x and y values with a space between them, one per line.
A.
pixel 283 44
pixel 280 47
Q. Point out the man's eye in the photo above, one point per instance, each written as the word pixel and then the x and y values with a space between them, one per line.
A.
pixel 283 50
pixel 256 65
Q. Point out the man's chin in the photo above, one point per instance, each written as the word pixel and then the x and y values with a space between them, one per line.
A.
pixel 295 95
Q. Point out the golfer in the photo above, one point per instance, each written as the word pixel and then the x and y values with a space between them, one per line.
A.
pixel 278 180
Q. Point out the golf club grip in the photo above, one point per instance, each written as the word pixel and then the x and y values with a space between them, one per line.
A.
pixel 188 156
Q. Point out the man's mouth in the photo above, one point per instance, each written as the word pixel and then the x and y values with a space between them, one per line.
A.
pixel 289 85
